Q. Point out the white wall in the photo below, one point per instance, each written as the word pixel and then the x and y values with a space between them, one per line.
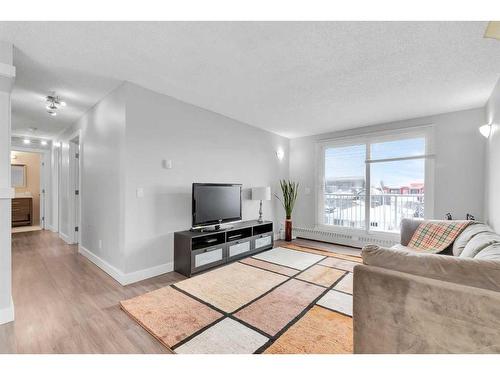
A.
pixel 101 132
pixel 7 74
pixel 54 191
pixel 124 139
pixel 459 164
pixel 204 147
pixel 492 201
pixel 126 136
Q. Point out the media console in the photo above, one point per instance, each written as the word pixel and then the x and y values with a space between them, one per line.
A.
pixel 198 251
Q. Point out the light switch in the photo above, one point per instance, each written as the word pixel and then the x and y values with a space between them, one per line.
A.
pixel 167 164
pixel 140 192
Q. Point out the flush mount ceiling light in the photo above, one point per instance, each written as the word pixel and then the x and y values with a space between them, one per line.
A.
pixel 26 141
pixel 53 104
pixel 485 130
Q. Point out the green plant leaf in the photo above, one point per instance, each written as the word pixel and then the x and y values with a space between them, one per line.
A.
pixel 289 190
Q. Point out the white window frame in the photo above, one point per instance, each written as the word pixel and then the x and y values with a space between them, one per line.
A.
pixel 425 131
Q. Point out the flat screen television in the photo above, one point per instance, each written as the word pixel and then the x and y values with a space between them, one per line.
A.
pixel 216 204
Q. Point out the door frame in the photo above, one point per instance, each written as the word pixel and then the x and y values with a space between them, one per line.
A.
pixel 45 186
pixel 66 167
pixel 75 183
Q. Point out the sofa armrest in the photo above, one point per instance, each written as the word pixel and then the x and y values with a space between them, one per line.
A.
pixel 408 227
pixel 397 312
pixel 472 272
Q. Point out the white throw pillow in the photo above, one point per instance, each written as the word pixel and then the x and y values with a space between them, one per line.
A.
pixel 491 252
pixel 479 242
pixel 466 235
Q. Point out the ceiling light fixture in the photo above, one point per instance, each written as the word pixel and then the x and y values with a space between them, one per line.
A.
pixel 26 141
pixel 53 103
pixel 280 154
pixel 485 130
pixel 43 142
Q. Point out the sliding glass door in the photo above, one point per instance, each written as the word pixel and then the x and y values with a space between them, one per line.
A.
pixel 371 183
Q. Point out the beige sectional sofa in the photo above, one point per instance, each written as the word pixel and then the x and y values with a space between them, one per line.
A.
pixel 410 302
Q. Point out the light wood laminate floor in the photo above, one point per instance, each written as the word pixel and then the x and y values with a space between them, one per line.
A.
pixel 66 304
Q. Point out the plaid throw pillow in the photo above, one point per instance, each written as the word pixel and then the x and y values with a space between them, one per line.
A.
pixel 435 236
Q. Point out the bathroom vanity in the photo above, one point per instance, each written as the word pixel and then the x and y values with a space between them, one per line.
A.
pixel 22 211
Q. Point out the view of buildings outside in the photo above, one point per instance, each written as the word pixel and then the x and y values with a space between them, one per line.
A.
pixel 396 191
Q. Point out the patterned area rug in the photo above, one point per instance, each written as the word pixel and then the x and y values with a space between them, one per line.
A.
pixel 291 299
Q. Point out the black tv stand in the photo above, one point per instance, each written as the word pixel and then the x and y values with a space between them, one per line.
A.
pixel 196 250
pixel 216 228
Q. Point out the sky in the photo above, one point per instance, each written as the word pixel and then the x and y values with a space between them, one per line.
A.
pixel 349 161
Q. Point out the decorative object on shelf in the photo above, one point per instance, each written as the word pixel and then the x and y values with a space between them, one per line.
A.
pixel 448 216
pixel 470 217
pixel 290 190
pixel 261 194
pixel 53 103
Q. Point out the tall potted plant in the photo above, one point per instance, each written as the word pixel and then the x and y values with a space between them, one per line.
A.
pixel 289 190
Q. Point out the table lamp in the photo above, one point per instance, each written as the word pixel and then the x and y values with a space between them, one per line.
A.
pixel 261 194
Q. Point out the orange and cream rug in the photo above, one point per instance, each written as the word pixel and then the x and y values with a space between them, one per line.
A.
pixel 289 299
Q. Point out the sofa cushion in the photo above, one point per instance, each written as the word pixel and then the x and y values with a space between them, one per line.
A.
pixel 480 273
pixel 478 243
pixel 398 246
pixel 464 237
pixel 491 252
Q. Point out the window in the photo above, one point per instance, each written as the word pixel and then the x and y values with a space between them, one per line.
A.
pixel 370 183
pixel 345 184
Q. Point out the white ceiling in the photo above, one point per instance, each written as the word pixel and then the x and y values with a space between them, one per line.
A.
pixel 292 78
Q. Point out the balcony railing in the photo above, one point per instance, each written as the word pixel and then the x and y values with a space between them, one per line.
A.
pixel 385 211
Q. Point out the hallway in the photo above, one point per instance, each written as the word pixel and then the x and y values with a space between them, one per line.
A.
pixel 66 304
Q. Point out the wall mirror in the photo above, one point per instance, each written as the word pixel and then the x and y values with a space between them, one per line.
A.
pixel 18 175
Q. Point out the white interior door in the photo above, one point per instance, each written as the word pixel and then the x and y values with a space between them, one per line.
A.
pixel 43 191
pixel 76 168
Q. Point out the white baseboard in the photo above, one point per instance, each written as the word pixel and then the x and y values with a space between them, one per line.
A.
pixel 51 228
pixel 122 277
pixel 66 239
pixel 133 277
pixel 7 313
pixel 112 271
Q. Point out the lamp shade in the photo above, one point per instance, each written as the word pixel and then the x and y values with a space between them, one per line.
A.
pixel 493 30
pixel 261 193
